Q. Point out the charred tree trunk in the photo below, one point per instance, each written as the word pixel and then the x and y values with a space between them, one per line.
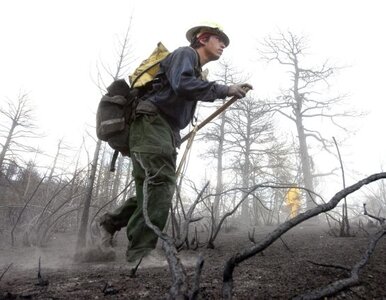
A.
pixel 52 171
pixel 81 241
pixel 6 145
pixel 246 169
pixel 219 185
pixel 303 147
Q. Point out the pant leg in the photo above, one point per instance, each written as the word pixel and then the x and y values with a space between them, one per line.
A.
pixel 151 142
pixel 114 221
pixel 121 215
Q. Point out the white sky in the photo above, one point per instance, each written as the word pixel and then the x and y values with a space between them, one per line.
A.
pixel 50 49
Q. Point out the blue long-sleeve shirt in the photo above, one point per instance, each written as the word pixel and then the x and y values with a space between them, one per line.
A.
pixel 180 87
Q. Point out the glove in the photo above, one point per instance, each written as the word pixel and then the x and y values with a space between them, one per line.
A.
pixel 239 90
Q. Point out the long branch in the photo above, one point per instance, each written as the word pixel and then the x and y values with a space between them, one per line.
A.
pixel 179 288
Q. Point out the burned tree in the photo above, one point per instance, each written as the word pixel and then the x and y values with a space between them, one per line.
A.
pixel 20 127
pixel 250 143
pixel 304 100
pixel 215 135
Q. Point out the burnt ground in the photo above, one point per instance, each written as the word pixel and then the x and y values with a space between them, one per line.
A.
pixel 283 270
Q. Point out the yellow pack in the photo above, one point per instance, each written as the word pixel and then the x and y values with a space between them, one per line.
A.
pixel 149 68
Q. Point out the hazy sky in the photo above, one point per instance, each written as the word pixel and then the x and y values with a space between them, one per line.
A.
pixel 50 49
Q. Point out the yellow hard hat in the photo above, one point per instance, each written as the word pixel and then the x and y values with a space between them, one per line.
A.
pixel 207 27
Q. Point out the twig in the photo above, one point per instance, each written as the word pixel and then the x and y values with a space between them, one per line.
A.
pixel 345 225
pixel 195 242
pixel 41 281
pixel 329 266
pixel 226 215
pixel 360 226
pixel 251 236
pixel 379 219
pixel 189 219
pixel 285 245
pixel 5 271
pixel 133 271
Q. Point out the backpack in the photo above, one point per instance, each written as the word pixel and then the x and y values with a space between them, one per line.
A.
pixel 116 109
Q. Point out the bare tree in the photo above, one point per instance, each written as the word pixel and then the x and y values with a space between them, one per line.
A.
pixel 282 169
pixel 121 65
pixel 81 241
pixel 302 101
pixel 60 147
pixel 250 142
pixel 19 128
pixel 215 135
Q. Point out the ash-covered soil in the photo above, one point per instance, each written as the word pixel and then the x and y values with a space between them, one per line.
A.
pixel 286 269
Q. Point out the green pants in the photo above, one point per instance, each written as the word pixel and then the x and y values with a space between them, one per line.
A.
pixel 151 142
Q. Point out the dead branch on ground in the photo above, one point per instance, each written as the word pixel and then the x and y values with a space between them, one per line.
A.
pixel 335 266
pixel 236 259
pixel 353 280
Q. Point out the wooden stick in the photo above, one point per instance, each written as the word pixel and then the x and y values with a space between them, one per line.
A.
pixel 211 117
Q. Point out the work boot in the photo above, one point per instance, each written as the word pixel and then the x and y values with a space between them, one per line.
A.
pixel 106 237
pixel 106 232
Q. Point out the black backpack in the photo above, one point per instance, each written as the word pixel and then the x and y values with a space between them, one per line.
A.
pixel 114 114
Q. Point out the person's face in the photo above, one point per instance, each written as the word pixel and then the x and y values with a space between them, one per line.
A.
pixel 214 47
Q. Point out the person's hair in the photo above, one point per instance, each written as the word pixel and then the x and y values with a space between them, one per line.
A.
pixel 196 42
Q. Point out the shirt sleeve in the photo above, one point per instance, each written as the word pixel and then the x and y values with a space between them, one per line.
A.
pixel 181 74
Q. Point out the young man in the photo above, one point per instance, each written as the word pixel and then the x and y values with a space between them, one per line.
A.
pixel 155 135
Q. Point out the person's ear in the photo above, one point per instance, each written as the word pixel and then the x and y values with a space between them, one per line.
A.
pixel 203 42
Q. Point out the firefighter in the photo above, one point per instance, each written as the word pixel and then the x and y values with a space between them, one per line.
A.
pixel 293 201
pixel 155 134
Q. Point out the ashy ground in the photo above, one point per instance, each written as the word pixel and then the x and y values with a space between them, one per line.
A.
pixel 289 267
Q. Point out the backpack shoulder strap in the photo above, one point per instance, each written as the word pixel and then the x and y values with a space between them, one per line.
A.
pixel 113 161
